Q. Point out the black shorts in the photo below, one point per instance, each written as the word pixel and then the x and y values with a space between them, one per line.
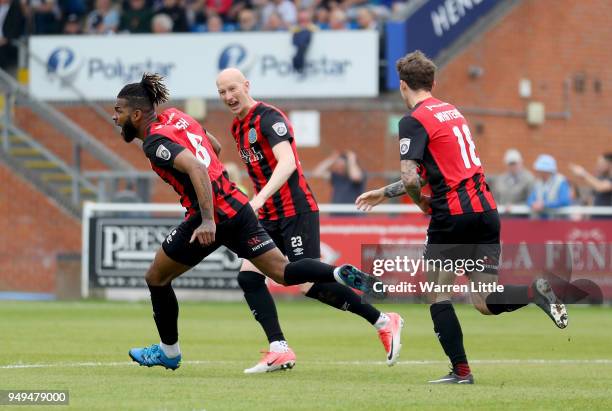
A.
pixel 242 234
pixel 297 237
pixel 473 236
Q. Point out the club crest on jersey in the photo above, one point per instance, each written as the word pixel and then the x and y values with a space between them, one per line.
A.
pixel 162 152
pixel 252 136
pixel 404 145
pixel 280 128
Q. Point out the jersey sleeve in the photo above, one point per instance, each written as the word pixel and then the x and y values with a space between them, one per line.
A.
pixel 275 128
pixel 413 139
pixel 161 150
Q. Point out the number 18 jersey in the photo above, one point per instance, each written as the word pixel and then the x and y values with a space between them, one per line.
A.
pixel 436 135
pixel 174 132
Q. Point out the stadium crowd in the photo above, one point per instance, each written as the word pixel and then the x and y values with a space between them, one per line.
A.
pixel 179 16
pixel 19 18
pixel 546 188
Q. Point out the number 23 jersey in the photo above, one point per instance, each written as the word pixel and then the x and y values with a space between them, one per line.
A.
pixel 174 132
pixel 255 135
pixel 436 135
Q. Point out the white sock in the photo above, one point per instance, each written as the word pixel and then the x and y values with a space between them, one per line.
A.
pixel 382 321
pixel 279 346
pixel 171 351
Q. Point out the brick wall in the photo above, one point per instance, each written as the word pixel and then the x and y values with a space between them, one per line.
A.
pixel 33 230
pixel 548 42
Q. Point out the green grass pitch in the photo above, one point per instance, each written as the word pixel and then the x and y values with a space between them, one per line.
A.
pixel 520 360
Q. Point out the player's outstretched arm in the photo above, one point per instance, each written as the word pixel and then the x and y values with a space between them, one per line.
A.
pixel 186 162
pixel 370 199
pixel 409 184
pixel 284 169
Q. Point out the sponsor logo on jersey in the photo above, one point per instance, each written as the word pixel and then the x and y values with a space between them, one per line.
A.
pixel 250 155
pixel 252 136
pixel 404 145
pixel 280 128
pixel 163 153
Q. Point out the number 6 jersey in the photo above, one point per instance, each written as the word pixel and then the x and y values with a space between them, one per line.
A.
pixel 436 135
pixel 165 139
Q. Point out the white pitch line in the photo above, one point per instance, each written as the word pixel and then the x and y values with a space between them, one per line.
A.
pixel 605 361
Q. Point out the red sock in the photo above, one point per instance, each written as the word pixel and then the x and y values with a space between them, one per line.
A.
pixel 462 369
pixel 530 292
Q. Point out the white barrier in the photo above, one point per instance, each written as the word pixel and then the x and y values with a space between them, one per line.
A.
pixel 91 209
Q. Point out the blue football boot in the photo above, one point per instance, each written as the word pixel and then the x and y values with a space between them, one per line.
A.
pixel 154 355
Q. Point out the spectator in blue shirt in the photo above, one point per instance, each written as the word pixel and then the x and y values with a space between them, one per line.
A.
pixel 551 189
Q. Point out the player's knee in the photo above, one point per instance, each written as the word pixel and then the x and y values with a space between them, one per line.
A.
pixel 277 272
pixel 304 288
pixel 431 298
pixel 154 277
pixel 280 279
pixel 250 280
pixel 482 308
pixel 273 265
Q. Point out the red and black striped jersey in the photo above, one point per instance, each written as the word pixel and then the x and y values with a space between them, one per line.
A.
pixel 437 136
pixel 175 131
pixel 263 127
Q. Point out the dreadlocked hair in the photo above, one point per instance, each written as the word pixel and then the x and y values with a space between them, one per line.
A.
pixel 155 88
pixel 148 93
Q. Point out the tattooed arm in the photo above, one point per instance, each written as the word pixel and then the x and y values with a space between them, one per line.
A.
pixel 413 183
pixel 411 180
pixel 409 184
pixel 394 189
